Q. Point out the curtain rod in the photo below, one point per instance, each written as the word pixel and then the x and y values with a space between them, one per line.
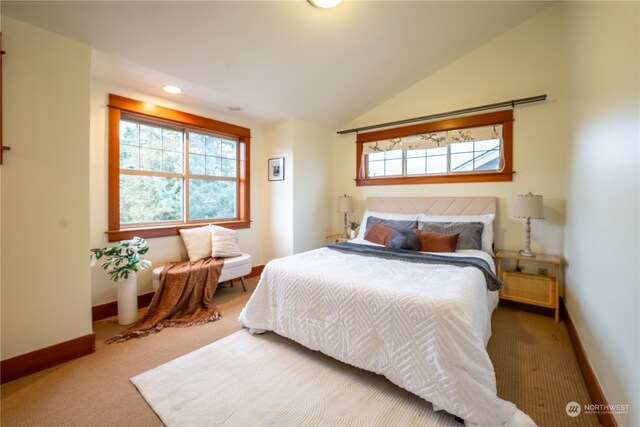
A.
pixel 511 104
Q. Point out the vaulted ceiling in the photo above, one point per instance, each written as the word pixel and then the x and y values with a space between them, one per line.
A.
pixel 276 59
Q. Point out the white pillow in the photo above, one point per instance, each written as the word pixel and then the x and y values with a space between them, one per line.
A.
pixel 197 242
pixel 383 215
pixel 486 219
pixel 224 242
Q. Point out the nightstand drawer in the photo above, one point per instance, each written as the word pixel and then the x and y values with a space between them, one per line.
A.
pixel 529 288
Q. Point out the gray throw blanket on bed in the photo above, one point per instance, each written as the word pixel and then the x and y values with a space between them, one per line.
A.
pixel 493 283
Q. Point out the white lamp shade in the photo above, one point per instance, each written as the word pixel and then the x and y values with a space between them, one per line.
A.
pixel 529 206
pixel 345 204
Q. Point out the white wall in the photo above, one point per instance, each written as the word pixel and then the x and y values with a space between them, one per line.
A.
pixel 312 195
pixel 163 249
pixel 298 209
pixel 603 215
pixel 523 62
pixel 46 297
pixel 277 208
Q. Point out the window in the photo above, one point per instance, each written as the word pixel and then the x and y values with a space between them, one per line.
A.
pixel 467 149
pixel 170 170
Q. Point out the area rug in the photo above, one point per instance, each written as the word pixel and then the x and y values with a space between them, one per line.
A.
pixel 268 380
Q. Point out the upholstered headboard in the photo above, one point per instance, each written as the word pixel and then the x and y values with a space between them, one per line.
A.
pixel 433 205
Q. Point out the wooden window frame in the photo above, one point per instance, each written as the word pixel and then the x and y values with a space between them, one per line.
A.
pixel 119 104
pixel 500 117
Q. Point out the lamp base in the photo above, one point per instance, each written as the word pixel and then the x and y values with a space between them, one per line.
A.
pixel 528 253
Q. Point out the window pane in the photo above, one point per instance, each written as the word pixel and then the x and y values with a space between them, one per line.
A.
pixel 439 151
pixel 489 161
pixel 209 199
pixel 376 168
pixel 172 140
pixel 393 167
pixel 196 143
pixel 150 159
pixel 172 162
pixel 150 199
pixel 490 144
pixel 196 164
pixel 436 164
pixel 150 136
pixel 212 146
pixel 128 133
pixel 129 157
pixel 393 154
pixel 228 149
pixel 416 153
pixel 416 166
pixel 375 156
pixel 462 162
pixel 482 155
pixel 462 147
pixel 213 166
pixel 229 168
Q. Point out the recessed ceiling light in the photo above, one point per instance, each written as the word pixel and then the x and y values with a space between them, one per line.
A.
pixel 324 4
pixel 234 108
pixel 172 89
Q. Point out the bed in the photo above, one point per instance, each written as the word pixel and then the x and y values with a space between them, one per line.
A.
pixel 423 325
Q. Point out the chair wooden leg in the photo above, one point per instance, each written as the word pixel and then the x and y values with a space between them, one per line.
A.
pixel 244 288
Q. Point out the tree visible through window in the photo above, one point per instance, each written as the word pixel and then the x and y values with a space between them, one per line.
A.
pixel 173 173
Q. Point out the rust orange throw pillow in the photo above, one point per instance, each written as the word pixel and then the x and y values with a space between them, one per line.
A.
pixel 437 242
pixel 379 233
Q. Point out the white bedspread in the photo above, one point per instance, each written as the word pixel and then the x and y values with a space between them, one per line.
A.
pixel 424 327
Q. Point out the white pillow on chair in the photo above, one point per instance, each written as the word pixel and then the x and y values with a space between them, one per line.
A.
pixel 197 242
pixel 224 242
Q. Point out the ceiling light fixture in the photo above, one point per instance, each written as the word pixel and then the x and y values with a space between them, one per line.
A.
pixel 172 89
pixel 324 4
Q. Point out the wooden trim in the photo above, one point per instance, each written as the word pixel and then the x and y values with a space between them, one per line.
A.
pixel 114 169
pixel 438 126
pixel 438 179
pixel 255 271
pixel 29 363
pixel 163 231
pixel 110 309
pixel 181 117
pixel 241 134
pixel 244 184
pixel 504 117
pixel 593 387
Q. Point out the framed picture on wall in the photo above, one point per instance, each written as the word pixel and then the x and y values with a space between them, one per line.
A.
pixel 276 169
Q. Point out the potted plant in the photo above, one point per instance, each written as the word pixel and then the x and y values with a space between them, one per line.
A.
pixel 121 264
pixel 353 226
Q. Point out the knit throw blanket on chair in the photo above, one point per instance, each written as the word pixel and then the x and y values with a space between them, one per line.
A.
pixel 182 299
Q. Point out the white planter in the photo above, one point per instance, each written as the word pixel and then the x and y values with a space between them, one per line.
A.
pixel 352 233
pixel 128 300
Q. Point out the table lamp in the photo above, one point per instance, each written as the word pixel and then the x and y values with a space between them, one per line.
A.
pixel 529 206
pixel 345 205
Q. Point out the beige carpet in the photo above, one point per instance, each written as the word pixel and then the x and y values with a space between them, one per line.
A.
pixel 535 369
pixel 262 380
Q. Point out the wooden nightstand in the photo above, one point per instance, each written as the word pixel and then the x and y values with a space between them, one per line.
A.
pixel 535 286
pixel 335 238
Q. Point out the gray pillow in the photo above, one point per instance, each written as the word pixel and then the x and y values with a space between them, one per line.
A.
pixel 393 223
pixel 470 232
pixel 404 238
